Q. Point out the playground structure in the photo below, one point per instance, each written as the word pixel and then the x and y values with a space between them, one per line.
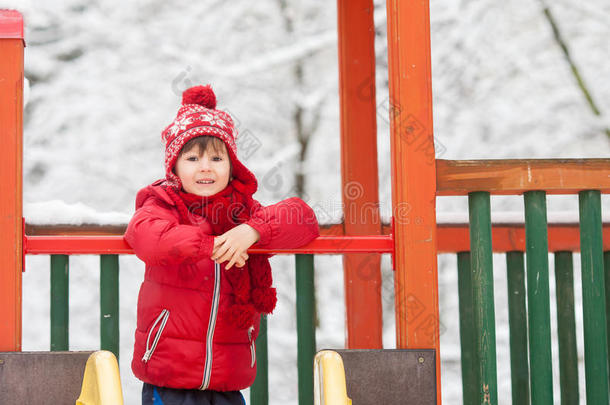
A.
pixel 60 378
pixel 413 241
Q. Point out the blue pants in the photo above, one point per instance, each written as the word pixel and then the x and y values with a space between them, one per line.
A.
pixel 153 395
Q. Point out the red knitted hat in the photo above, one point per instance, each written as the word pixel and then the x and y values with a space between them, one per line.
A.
pixel 198 116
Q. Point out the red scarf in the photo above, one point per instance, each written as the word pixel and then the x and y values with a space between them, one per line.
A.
pixel 223 211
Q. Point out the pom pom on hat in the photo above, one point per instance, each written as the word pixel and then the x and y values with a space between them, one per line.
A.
pixel 201 95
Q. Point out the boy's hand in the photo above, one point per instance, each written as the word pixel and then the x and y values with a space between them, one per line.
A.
pixel 241 261
pixel 233 245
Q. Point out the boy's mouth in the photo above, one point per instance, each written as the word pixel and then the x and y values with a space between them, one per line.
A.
pixel 205 181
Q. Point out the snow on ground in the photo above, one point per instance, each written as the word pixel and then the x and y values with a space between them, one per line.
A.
pixel 105 78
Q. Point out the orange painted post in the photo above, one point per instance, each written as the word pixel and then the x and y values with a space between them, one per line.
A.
pixel 11 129
pixel 413 178
pixel 359 179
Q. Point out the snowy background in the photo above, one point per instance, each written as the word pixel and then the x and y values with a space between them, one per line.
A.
pixel 105 77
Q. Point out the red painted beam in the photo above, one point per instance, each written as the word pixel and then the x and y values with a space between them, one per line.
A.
pixel 11 24
pixel 11 153
pixel 506 238
pixel 57 244
pixel 451 238
pixel 359 173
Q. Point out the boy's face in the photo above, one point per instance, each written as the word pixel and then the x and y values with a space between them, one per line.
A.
pixel 204 174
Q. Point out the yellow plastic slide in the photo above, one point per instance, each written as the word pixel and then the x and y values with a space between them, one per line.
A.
pixel 329 379
pixel 102 382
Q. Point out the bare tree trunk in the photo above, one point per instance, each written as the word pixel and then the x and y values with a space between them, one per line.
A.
pixel 303 132
pixel 575 72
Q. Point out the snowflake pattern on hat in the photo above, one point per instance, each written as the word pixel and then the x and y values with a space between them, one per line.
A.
pixel 179 126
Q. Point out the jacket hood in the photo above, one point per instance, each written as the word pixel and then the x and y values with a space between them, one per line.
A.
pixel 153 190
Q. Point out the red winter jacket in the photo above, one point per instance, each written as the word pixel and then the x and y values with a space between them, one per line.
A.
pixel 182 339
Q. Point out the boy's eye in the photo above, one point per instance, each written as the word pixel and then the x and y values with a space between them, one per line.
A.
pixel 191 158
pixel 217 158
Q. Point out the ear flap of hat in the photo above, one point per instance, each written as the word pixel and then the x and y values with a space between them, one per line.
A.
pixel 248 185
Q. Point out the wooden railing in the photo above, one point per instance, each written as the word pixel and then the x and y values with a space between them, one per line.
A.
pixel 530 332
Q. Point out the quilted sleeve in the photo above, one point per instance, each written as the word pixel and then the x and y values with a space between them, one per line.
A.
pixel 290 223
pixel 157 237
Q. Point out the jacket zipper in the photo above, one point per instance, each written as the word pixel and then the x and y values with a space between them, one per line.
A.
pixel 207 369
pixel 163 317
pixel 252 348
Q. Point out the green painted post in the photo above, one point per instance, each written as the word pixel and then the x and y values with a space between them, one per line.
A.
pixel 306 338
pixel 539 311
pixel 60 311
pixel 483 295
pixel 566 325
pixel 517 323
pixel 593 297
pixel 607 282
pixel 259 392
pixel 109 303
pixel 467 336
